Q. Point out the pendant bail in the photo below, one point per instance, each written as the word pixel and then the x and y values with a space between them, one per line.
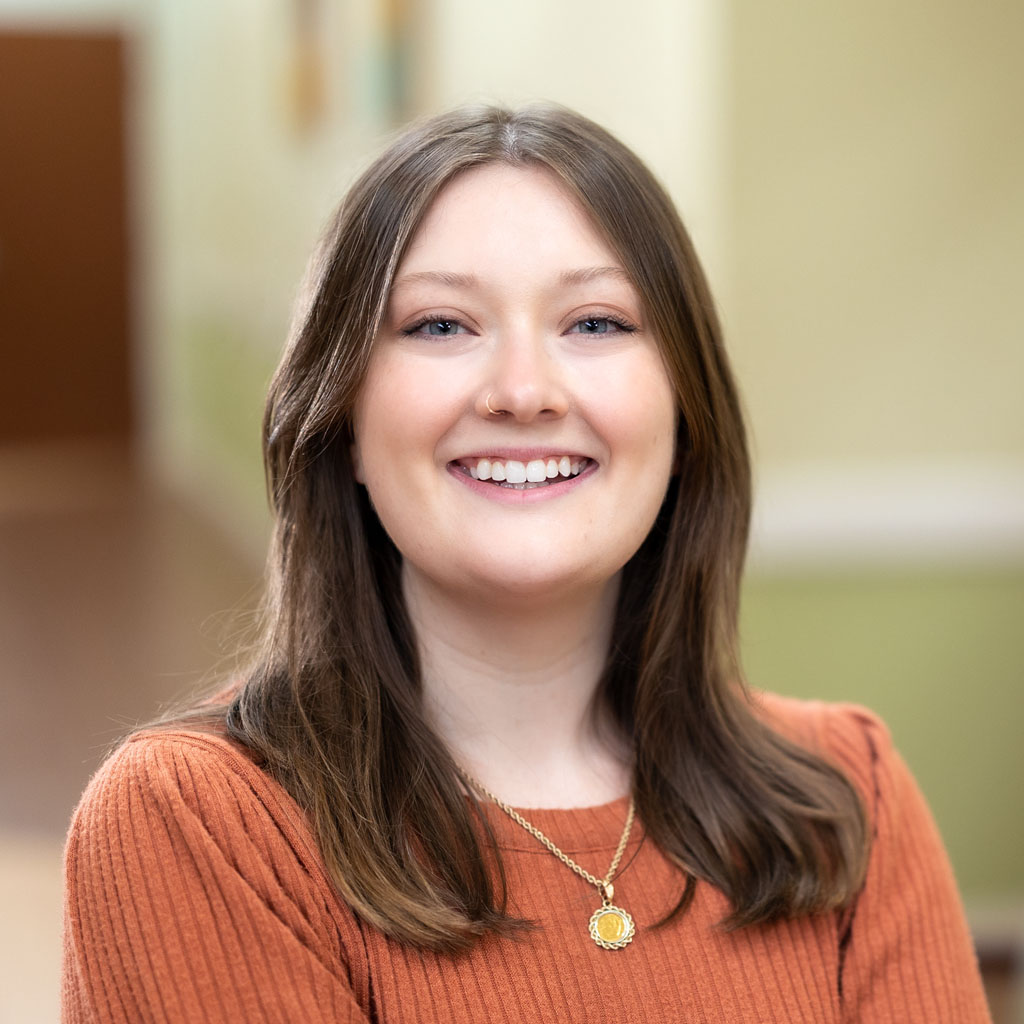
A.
pixel 607 892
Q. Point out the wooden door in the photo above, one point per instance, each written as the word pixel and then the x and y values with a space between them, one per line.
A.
pixel 65 365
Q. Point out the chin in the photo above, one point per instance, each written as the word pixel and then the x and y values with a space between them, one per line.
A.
pixel 505 582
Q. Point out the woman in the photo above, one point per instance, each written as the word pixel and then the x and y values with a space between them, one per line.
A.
pixel 512 493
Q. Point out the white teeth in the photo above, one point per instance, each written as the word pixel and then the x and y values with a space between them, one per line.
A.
pixel 512 472
pixel 515 472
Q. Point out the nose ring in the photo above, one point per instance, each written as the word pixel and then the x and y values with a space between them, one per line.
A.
pixel 493 412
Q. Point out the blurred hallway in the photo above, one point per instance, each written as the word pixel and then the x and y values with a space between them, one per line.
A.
pixel 851 177
pixel 114 599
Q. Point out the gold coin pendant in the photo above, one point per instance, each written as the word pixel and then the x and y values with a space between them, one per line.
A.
pixel 611 927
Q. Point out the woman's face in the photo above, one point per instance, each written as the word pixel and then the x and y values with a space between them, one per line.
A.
pixel 507 296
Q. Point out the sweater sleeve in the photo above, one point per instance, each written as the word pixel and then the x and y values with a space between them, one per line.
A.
pixel 190 898
pixel 907 951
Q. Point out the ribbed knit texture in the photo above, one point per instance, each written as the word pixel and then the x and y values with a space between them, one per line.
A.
pixel 195 893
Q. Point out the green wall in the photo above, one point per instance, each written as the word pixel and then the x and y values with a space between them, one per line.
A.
pixel 228 377
pixel 940 655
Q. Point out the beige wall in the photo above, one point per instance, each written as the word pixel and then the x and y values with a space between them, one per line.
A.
pixel 651 72
pixel 234 195
pixel 75 14
pixel 876 247
pixel 875 252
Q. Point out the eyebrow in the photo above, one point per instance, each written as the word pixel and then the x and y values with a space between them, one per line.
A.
pixel 583 275
pixel 437 277
pixel 587 274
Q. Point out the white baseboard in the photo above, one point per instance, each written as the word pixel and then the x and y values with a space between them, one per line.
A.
pixel 913 514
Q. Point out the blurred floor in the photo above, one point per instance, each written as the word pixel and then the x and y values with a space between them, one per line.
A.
pixel 114 599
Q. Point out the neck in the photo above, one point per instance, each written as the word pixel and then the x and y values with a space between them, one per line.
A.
pixel 511 691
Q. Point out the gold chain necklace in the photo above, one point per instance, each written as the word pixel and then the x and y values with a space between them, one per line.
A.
pixel 611 927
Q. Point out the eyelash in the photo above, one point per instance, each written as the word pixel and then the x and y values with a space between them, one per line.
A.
pixel 620 325
pixel 425 321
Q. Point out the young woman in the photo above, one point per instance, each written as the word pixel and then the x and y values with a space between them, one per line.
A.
pixel 512 494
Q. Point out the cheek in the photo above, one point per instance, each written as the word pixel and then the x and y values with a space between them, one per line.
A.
pixel 401 414
pixel 370 424
pixel 639 411
pixel 356 457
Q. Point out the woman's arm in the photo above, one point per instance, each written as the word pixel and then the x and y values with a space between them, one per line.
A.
pixel 907 952
pixel 193 895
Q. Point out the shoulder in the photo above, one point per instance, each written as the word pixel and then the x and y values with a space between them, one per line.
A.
pixel 852 737
pixel 905 950
pixel 170 793
pixel 818 721
pixel 856 741
pixel 185 860
pixel 192 815
pixel 200 769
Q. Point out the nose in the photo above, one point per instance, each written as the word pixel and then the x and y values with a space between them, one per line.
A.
pixel 524 381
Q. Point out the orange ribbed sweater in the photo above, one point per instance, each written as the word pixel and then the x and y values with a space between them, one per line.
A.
pixel 195 893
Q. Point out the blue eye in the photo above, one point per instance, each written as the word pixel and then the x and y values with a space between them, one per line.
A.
pixel 601 325
pixel 442 328
pixel 436 327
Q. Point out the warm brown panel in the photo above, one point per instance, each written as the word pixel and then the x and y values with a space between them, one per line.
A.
pixel 64 324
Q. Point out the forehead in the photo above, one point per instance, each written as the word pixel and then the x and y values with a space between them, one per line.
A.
pixel 498 215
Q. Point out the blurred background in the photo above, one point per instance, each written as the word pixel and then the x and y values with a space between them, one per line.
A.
pixel 853 176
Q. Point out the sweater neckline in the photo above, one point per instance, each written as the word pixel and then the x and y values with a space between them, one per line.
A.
pixel 572 829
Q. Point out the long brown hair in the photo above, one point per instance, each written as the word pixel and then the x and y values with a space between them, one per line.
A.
pixel 331 706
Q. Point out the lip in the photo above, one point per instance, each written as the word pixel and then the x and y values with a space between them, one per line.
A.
pixel 530 496
pixel 522 454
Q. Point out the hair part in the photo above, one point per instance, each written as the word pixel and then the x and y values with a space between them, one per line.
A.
pixel 331 706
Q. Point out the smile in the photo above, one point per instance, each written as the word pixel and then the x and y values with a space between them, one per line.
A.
pixel 521 476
